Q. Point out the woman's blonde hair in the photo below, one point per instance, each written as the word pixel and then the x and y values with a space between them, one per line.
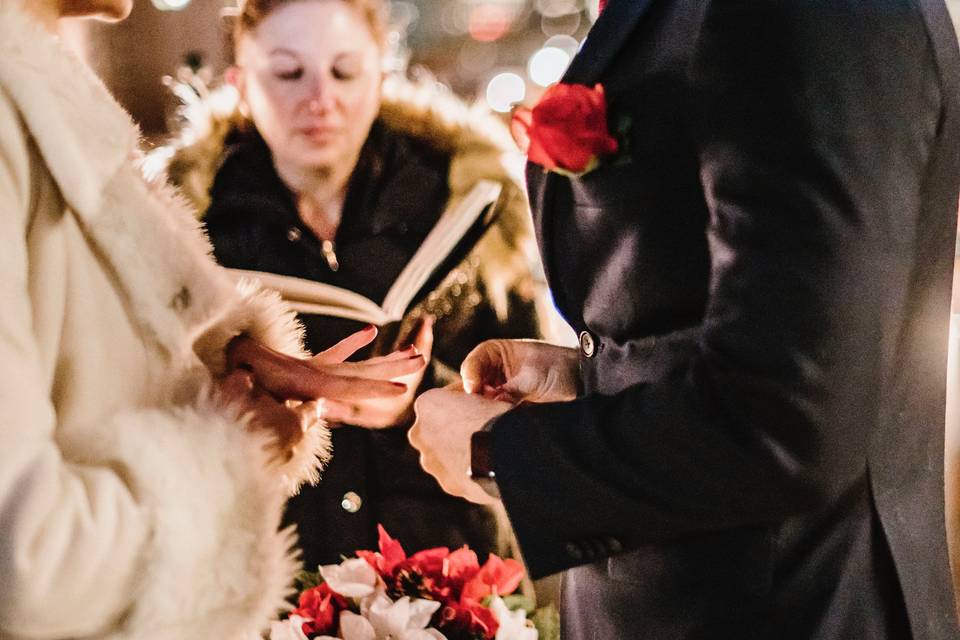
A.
pixel 251 13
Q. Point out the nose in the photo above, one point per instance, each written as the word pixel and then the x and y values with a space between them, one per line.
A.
pixel 320 100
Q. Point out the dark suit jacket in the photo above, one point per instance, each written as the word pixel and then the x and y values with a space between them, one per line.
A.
pixel 765 277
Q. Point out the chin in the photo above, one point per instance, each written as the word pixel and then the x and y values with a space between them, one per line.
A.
pixel 105 10
pixel 318 157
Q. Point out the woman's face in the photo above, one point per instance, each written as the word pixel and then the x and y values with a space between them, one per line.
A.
pixel 310 76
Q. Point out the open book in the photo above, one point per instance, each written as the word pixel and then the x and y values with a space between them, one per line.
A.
pixel 450 232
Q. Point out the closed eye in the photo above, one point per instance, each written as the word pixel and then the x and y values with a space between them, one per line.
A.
pixel 293 74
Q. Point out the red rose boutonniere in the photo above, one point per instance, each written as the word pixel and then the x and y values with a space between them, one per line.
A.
pixel 567 130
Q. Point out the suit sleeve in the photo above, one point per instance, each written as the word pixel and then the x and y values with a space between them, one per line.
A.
pixel 814 123
pixel 166 528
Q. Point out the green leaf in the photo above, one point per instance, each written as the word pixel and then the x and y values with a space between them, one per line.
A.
pixel 519 601
pixel 547 621
pixel 307 580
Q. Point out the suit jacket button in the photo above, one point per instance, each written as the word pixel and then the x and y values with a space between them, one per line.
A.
pixel 587 345
pixel 573 551
pixel 351 502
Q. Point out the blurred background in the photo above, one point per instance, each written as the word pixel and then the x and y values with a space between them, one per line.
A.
pixel 501 52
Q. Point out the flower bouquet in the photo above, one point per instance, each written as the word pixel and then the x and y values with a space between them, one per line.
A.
pixel 434 594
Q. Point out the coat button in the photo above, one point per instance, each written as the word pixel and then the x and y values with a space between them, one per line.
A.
pixel 573 551
pixel 181 300
pixel 351 502
pixel 294 234
pixel 587 345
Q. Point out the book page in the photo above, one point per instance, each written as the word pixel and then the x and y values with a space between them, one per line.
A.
pixel 317 298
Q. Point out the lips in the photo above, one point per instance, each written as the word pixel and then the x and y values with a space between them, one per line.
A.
pixel 319 132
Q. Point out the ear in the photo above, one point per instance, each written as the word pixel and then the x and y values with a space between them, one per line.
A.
pixel 234 77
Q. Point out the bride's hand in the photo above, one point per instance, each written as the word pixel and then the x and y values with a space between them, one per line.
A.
pixel 521 370
pixel 326 375
pixel 384 412
pixel 285 420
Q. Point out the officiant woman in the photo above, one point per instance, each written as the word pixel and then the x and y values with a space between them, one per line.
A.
pixel 324 170
pixel 146 445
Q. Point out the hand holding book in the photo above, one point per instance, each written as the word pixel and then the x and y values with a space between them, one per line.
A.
pixel 385 412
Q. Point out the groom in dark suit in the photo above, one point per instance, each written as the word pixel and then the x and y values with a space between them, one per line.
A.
pixel 749 442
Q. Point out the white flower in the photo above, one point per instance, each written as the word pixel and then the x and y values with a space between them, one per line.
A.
pixel 513 624
pixel 289 629
pixel 356 627
pixel 353 578
pixel 384 619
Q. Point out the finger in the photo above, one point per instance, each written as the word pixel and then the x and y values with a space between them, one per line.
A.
pixel 347 347
pixel 424 338
pixel 236 386
pixel 309 412
pixel 382 370
pixel 401 354
pixel 336 411
pixel 483 367
pixel 288 377
pixel 301 381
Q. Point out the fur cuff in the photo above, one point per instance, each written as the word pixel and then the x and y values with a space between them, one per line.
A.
pixel 259 313
pixel 215 565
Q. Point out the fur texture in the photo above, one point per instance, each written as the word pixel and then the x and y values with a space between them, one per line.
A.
pixel 128 497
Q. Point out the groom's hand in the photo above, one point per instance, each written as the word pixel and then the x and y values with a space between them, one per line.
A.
pixel 522 370
pixel 445 420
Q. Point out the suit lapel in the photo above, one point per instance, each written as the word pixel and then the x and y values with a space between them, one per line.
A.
pixel 945 45
pixel 605 39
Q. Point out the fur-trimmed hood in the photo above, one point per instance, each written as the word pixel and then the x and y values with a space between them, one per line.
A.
pixel 479 145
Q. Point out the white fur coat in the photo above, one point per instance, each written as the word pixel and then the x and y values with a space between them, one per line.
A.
pixel 130 506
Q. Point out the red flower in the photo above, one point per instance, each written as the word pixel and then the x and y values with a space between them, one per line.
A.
pixel 470 620
pixel 462 566
pixel 320 607
pixel 390 556
pixel 496 577
pixel 566 130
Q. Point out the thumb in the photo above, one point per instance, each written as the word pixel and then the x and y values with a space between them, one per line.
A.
pixel 424 338
pixel 484 367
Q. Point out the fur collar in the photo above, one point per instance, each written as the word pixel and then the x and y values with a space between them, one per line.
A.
pixel 144 231
pixel 479 145
pixel 83 148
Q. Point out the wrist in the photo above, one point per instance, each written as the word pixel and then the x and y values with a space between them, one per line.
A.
pixel 481 460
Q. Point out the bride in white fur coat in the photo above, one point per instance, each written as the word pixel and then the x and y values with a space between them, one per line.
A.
pixel 142 475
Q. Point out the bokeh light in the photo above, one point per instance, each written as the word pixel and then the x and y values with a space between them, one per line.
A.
pixel 557 8
pixel 547 65
pixel 505 90
pixel 170 5
pixel 489 22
